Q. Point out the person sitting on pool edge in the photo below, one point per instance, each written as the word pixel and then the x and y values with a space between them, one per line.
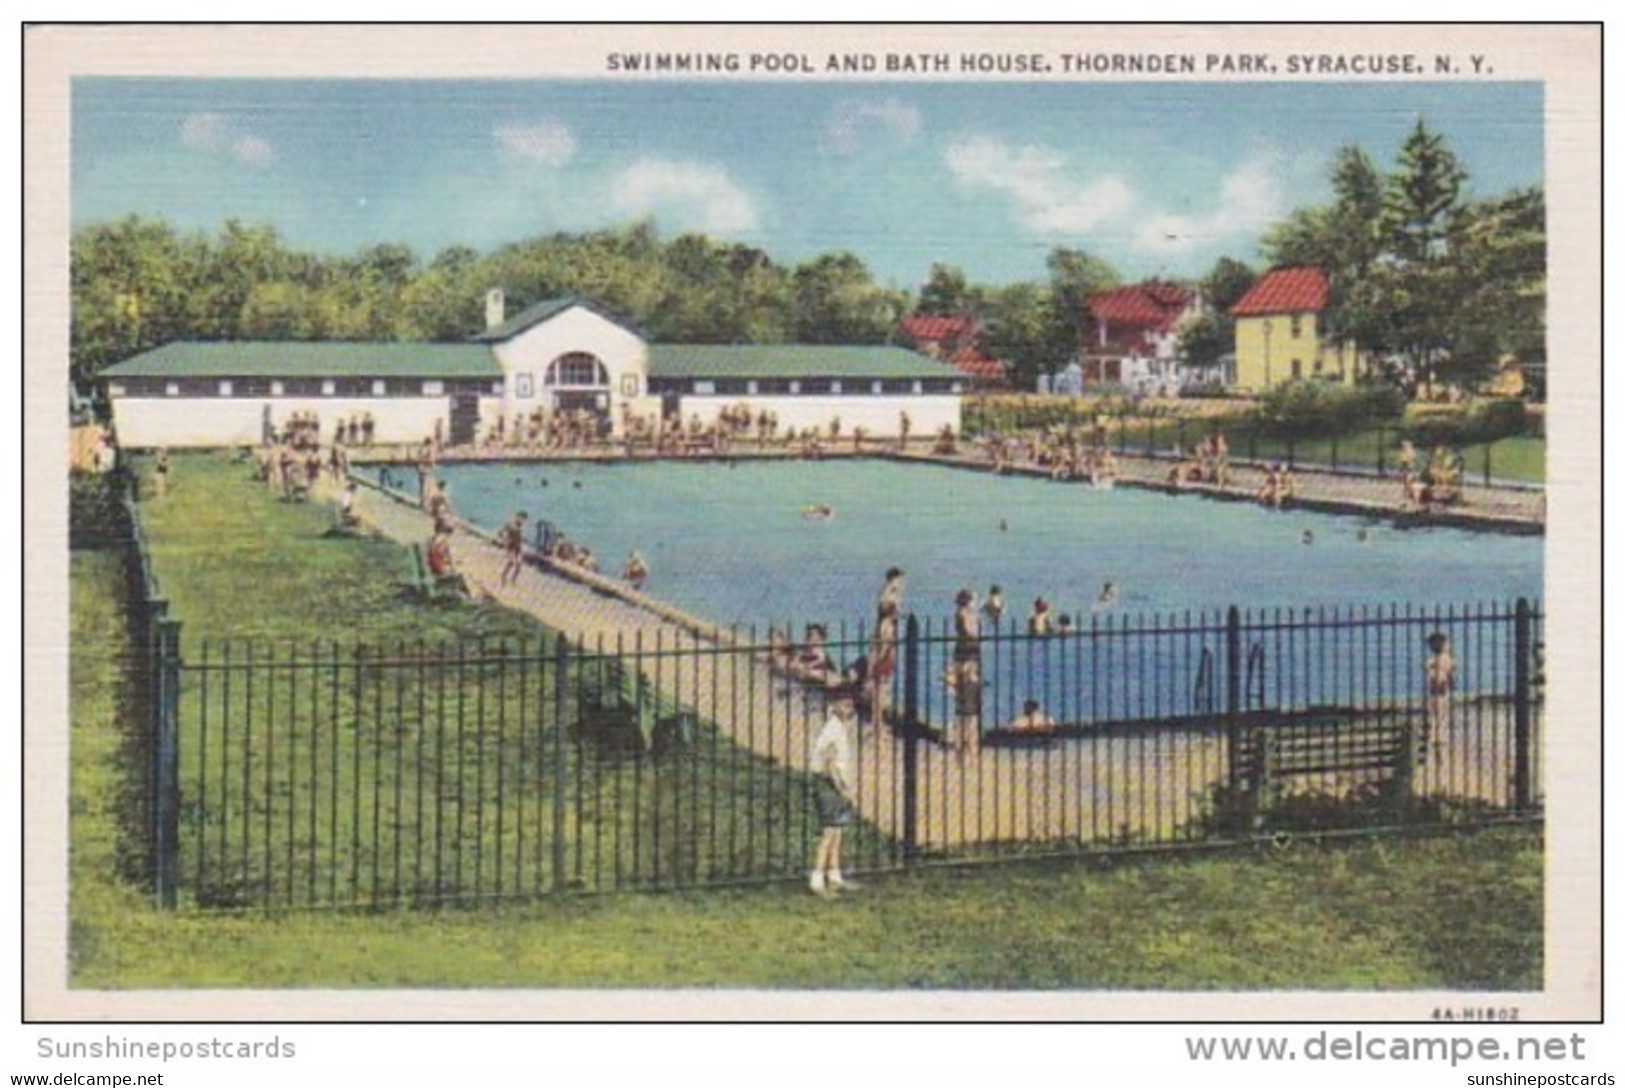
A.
pixel 636 571
pixel 1032 719
pixel 1038 622
pixel 811 660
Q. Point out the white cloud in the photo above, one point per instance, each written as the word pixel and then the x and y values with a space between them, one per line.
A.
pixel 545 142
pixel 1250 198
pixel 218 134
pixel 694 195
pixel 1048 197
pixel 856 125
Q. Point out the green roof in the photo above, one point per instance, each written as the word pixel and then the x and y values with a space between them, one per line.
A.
pixel 713 361
pixel 309 359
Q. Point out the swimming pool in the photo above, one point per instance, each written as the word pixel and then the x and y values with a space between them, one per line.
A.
pixel 733 541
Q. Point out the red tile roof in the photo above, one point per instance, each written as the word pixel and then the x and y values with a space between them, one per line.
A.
pixel 1284 291
pixel 1149 306
pixel 978 366
pixel 922 328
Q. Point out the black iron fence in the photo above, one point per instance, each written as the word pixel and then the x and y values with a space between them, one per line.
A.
pixel 1515 462
pixel 345 775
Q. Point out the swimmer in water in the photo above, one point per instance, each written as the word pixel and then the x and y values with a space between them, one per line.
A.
pixel 1308 536
pixel 1108 596
pixel 1363 536
pixel 818 513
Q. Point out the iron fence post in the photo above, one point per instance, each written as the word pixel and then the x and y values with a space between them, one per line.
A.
pixel 1522 645
pixel 561 662
pixel 911 737
pixel 1233 696
pixel 166 756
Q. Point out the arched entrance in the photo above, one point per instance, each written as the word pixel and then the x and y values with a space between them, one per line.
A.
pixel 578 382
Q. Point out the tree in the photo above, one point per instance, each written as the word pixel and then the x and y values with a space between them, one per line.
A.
pixel 1499 252
pixel 1021 328
pixel 1073 276
pixel 947 292
pixel 836 302
pixel 1204 341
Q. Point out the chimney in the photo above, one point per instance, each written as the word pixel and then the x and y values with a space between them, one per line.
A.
pixel 494 308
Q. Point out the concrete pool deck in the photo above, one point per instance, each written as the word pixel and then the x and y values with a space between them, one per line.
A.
pixel 1144 788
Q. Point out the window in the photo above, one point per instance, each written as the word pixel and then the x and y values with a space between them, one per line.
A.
pixel 752 388
pixel 380 387
pixel 956 387
pixel 225 388
pixel 329 387
pixel 172 389
pixel 705 389
pixel 496 389
pixel 629 385
pixel 1297 326
pixel 434 389
pixel 918 388
pixel 877 387
pixel 522 386
pixel 834 387
pixel 1297 368
pixel 795 387
pixel 115 389
pixel 577 368
pixel 276 388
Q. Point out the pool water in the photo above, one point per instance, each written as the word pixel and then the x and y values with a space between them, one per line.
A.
pixel 733 541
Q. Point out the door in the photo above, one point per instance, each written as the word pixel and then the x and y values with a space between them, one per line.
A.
pixel 465 418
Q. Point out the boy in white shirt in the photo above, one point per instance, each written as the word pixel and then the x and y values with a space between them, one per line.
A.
pixel 834 794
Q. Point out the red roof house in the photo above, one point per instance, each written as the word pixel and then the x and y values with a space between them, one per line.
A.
pixel 1133 335
pixel 1284 291
pixel 953 339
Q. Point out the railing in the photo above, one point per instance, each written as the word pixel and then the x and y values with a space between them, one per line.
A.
pixel 329 775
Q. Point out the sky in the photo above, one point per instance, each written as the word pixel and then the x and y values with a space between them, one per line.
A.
pixel 1156 178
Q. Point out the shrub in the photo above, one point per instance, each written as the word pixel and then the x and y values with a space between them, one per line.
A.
pixel 1303 409
pixel 1500 418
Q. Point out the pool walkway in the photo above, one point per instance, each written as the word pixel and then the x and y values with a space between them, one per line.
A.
pixel 1507 509
pixel 1144 788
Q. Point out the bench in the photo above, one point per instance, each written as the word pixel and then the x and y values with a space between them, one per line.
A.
pixel 1330 744
pixel 623 710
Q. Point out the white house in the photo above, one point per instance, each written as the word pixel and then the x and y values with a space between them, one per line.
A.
pixel 1133 337
pixel 561 354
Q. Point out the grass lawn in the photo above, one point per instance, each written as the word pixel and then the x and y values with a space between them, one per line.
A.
pixel 1456 912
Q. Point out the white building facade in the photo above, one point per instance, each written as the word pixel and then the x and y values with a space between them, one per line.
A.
pixel 561 355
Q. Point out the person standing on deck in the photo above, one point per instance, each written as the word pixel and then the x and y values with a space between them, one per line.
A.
pixel 891 590
pixel 965 675
pixel 882 661
pixel 160 474
pixel 1439 677
pixel 835 797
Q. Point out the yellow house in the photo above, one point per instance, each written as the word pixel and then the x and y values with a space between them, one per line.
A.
pixel 1278 333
